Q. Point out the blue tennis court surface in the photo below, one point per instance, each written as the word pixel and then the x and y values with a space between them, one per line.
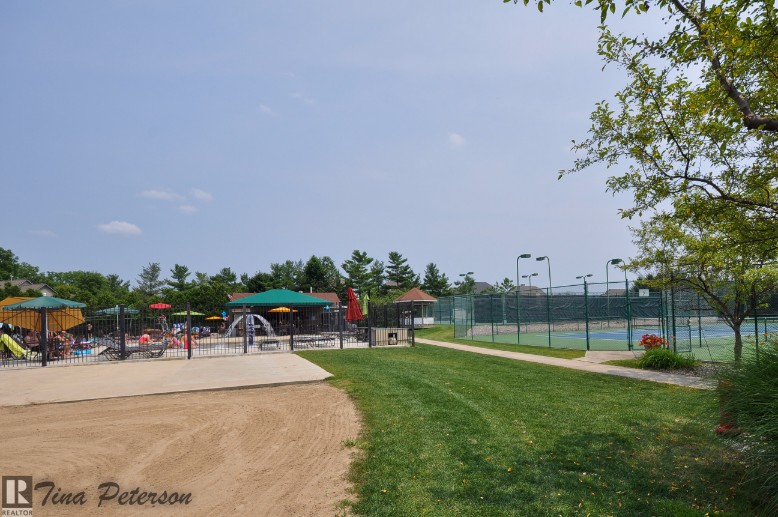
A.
pixel 682 332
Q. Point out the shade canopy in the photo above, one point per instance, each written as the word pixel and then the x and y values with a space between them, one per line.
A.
pixel 56 319
pixel 279 298
pixel 354 311
pixel 44 302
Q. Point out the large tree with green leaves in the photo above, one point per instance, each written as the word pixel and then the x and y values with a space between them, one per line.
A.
pixel 149 281
pixel 357 271
pixel 400 272
pixel 435 283
pixel 178 278
pixel 693 136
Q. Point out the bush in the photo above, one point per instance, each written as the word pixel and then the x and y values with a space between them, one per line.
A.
pixel 752 398
pixel 664 359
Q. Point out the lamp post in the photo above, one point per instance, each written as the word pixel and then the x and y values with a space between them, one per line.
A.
pixel 472 306
pixel 586 305
pixel 608 288
pixel 518 295
pixel 548 297
pixel 529 279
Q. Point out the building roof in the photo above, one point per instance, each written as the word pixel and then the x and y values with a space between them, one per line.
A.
pixel 330 297
pixel 279 298
pixel 26 285
pixel 479 287
pixel 527 290
pixel 239 296
pixel 416 295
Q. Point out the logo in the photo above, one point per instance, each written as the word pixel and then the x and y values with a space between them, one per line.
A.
pixel 17 495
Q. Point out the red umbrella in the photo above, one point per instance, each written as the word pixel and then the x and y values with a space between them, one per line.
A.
pixel 160 305
pixel 354 311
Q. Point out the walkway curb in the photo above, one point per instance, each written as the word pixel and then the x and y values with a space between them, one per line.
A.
pixel 619 371
pixel 151 377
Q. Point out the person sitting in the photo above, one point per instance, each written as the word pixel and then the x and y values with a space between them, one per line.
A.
pixel 185 341
pixel 7 343
pixel 145 339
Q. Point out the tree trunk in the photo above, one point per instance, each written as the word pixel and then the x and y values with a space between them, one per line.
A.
pixel 738 342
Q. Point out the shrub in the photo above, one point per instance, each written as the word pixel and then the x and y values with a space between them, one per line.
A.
pixel 752 398
pixel 664 359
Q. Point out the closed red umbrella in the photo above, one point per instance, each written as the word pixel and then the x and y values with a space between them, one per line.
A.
pixel 354 311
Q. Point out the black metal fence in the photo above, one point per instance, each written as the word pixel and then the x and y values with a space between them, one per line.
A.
pixel 72 336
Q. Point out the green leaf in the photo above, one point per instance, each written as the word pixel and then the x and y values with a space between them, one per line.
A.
pixel 540 6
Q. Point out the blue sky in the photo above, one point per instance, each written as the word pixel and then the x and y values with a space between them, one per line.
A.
pixel 237 134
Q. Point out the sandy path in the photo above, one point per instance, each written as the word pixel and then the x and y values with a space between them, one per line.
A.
pixel 266 451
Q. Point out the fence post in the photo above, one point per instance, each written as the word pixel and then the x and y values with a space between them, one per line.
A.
pixel 291 328
pixel 586 311
pixel 629 313
pixel 245 330
pixel 340 326
pixel 122 330
pixel 413 327
pixel 756 320
pixel 370 316
pixel 44 337
pixel 189 343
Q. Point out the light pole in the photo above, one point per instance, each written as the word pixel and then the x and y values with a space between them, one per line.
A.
pixel 472 306
pixel 608 288
pixel 529 279
pixel 518 295
pixel 586 305
pixel 548 297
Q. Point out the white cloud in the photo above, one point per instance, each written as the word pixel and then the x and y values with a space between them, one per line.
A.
pixel 160 194
pixel 304 98
pixel 201 195
pixel 456 140
pixel 119 228
pixel 267 110
pixel 187 209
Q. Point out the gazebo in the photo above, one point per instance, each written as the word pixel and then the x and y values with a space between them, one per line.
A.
pixel 422 303
pixel 300 310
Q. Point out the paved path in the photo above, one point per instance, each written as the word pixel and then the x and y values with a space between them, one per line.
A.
pixel 127 379
pixel 582 364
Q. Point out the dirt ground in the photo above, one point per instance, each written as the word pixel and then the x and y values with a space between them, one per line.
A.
pixel 265 451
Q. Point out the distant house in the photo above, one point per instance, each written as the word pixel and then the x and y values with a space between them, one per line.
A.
pixel 25 285
pixel 330 297
pixel 615 292
pixel 480 287
pixel 529 290
pixel 422 303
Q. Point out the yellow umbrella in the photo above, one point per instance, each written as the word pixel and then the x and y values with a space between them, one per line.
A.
pixel 57 319
pixel 281 309
pixel 214 318
pixel 13 299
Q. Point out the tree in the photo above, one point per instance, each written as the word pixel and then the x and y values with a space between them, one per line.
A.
pixel 399 272
pixel 376 278
pixel 690 255
pixel 699 116
pixel 287 275
pixel 11 268
pixel 356 269
pixel 258 283
pixel 506 286
pixel 435 283
pixel 178 278
pixel 314 276
pixel 149 282
pixel 227 278
pixel 466 285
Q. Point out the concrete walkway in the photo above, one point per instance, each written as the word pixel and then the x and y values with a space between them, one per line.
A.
pixel 584 365
pixel 128 379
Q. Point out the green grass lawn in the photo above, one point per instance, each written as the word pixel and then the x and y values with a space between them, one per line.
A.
pixel 454 433
pixel 446 333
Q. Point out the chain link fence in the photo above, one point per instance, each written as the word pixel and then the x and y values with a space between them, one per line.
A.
pixel 605 316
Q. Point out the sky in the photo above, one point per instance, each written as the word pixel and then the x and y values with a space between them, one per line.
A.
pixel 242 133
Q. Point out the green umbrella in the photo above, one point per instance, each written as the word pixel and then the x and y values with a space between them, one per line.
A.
pixel 183 313
pixel 365 301
pixel 44 302
pixel 111 311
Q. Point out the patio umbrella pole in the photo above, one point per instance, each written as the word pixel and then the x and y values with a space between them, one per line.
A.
pixel 44 337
